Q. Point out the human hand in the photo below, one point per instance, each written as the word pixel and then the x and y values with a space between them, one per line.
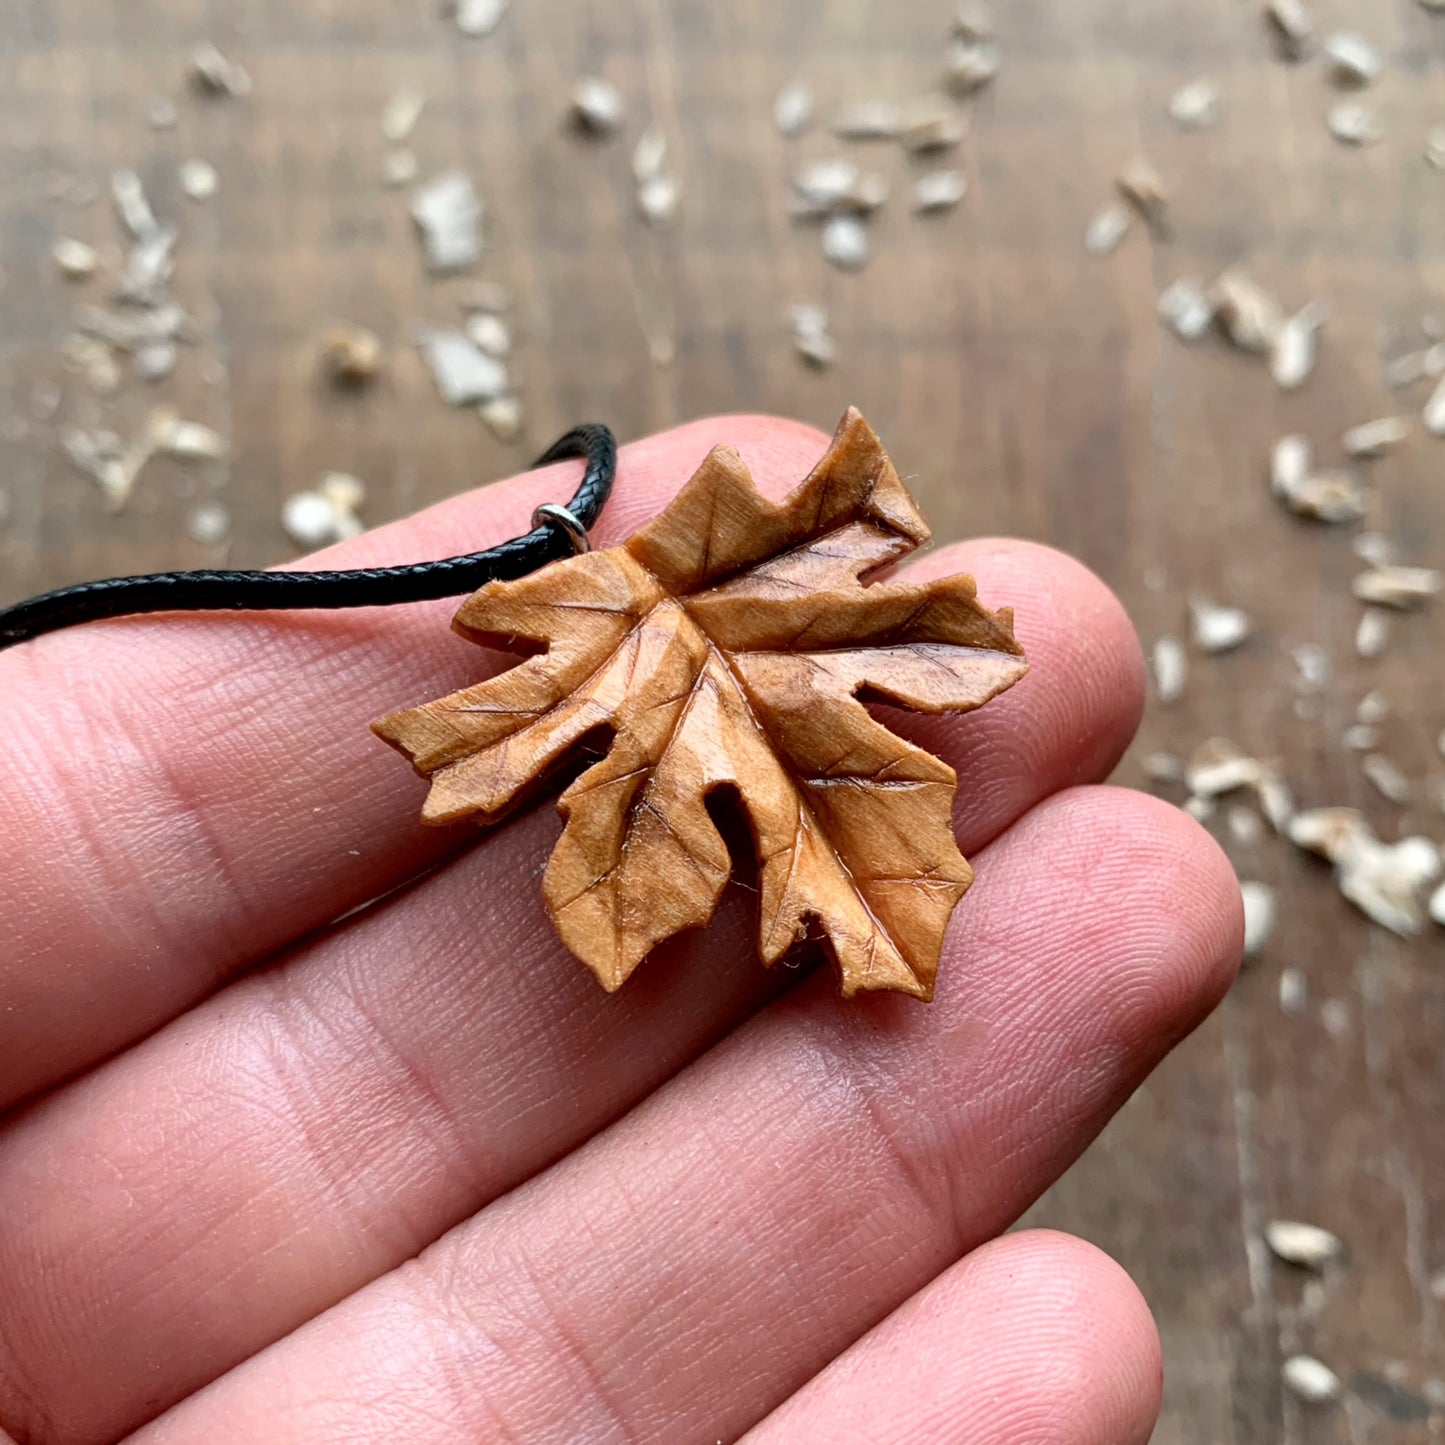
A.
pixel 410 1176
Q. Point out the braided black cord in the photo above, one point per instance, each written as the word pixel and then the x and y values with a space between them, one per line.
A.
pixel 208 591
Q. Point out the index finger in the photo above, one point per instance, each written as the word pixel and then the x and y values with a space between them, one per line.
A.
pixel 190 793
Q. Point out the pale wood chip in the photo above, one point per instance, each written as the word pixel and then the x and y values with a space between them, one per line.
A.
pixel 1171 669
pixel 1353 123
pixel 345 492
pixel 312 519
pixel 1163 768
pixel 1143 187
pixel 74 259
pixel 845 242
pixel 1259 917
pixel 399 167
pixel 1294 346
pixel 1186 309
pixel 824 183
pixel 187 441
pixel 939 191
pixel 479 18
pixel 1250 317
pixel 970 65
pixel 1290 464
pixel 657 199
pixel 1292 26
pixel 1106 230
pixel 198 179
pixel 1335 497
pixel 1375 438
pixel 213 74
pixel 597 105
pixel 1386 778
pixel 1294 991
pixel 1373 708
pixel 208 523
pixel 1361 738
pixel 464 374
pixel 351 355
pixel 1217 629
pixel 868 120
pixel 1399 587
pixel 1437 905
pixel 1195 106
pixel 503 416
pixel 1373 548
pixel 649 155
pixel 1352 59
pixel 927 126
pixel 402 112
pixel 1435 411
pixel 1244 825
pixel 132 206
pixel 448 216
pixel 1372 636
pixel 490 333
pixel 1305 1245
pixel 793 109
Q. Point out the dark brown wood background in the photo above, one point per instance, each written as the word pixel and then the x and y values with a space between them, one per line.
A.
pixel 1021 385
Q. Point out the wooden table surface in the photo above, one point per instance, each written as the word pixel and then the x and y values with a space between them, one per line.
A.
pixel 1020 384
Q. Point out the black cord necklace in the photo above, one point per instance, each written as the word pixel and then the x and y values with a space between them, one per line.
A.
pixel 557 532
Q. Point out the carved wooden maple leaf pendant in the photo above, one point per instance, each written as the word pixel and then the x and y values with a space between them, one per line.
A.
pixel 731 644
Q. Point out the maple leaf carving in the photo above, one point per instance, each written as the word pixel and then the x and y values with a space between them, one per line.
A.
pixel 732 645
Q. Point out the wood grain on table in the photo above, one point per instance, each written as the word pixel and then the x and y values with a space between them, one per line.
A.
pixel 1020 385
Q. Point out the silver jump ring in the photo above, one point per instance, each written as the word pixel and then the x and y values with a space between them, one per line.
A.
pixel 558 515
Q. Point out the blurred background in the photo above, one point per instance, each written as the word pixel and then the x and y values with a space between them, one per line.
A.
pixel 1008 347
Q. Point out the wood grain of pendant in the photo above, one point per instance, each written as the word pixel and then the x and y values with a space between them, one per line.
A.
pixel 732 645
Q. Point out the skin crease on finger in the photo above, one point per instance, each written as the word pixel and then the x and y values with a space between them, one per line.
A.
pixel 1034 1339
pixel 692 1267
pixel 188 794
pixel 325 1120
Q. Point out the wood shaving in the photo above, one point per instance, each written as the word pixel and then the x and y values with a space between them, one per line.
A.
pixel 464 374
pixel 845 242
pixel 187 441
pixel 1259 917
pixel 1437 905
pixel 112 464
pixel 95 362
pixel 1375 438
pixel 503 417
pixel 1372 636
pixel 597 106
pixel 402 113
pixel 1435 412
pixel 1373 548
pixel 793 109
pixel 448 216
pixel 154 361
pixel 148 269
pixel 1384 881
pixel 1163 768
pixel 868 120
pixel 351 355
pixel 1185 309
pixel 928 126
pixel 130 330
pixel 1402 588
pixel 488 332
pixel 825 182
pixel 1361 738
pixel 74 259
pixel 1195 106
pixel 208 523
pixel 1374 708
pixel 1292 26
pixel 1244 825
pixel 939 191
pixel 973 20
pixel 1250 317
pixel 1293 348
pixel 1106 230
pixel 1386 778
pixel 312 519
pixel 1218 768
pixel 1313 665
pixel 1217 629
pixel 198 180
pixel 399 167
pixel 213 74
pixel 657 199
pixel 1294 991
pixel 649 155
pixel 1412 366
pixel 1354 124
pixel 1143 187
pixel 478 18
pixel 1305 1245
pixel 132 205
pixel 1352 59
pixel 1290 464
pixel 810 335
pixel 1334 497
pixel 1171 669
pixel 969 66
